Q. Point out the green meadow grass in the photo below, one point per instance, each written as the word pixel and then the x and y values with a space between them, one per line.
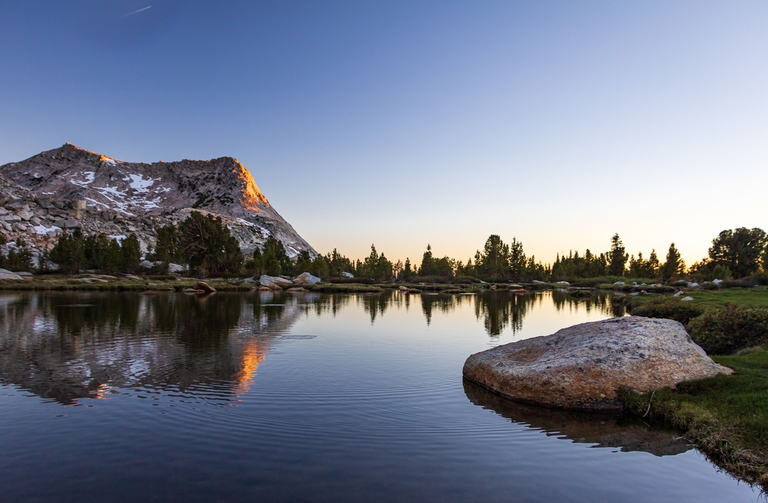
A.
pixel 726 416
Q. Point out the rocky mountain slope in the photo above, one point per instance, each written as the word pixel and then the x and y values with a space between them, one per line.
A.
pixel 70 187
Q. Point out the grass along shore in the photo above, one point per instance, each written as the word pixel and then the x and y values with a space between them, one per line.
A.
pixel 726 416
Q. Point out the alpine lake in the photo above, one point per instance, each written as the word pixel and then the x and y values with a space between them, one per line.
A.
pixel 309 397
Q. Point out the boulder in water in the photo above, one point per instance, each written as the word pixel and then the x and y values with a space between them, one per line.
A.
pixel 583 367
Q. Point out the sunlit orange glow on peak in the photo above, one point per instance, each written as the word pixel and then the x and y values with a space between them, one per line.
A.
pixel 253 353
pixel 102 157
pixel 252 196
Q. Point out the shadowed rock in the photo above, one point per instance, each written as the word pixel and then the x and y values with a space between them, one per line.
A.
pixel 582 367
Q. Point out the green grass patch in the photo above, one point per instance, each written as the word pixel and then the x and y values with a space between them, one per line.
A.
pixel 725 416
pixel 716 299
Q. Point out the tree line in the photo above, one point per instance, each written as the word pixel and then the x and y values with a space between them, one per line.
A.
pixel 206 246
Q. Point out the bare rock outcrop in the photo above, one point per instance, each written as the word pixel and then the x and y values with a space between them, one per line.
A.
pixel 275 282
pixel 306 279
pixel 6 274
pixel 583 367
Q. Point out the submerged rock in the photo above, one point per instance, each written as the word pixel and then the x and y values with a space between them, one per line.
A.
pixel 582 367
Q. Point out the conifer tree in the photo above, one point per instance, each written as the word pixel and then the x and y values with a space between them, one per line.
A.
pixel 674 265
pixel 68 252
pixel 131 253
pixel 206 243
pixel 617 257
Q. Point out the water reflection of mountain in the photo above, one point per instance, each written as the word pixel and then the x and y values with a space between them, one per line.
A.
pixel 600 430
pixel 71 345
pixel 67 346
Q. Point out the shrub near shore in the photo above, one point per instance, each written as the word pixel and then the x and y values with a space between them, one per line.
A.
pixel 730 329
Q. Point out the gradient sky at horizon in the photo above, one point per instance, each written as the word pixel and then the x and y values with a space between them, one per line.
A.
pixel 409 123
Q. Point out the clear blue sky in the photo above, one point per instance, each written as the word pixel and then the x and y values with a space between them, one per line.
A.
pixel 416 122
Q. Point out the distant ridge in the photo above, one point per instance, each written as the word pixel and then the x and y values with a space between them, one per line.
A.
pixel 70 187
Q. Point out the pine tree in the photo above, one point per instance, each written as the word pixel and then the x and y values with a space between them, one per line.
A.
pixel 672 266
pixel 131 253
pixel 68 252
pixel 206 244
pixel 495 258
pixel 167 245
pixel 617 257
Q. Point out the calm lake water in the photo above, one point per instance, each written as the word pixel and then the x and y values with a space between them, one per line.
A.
pixel 307 397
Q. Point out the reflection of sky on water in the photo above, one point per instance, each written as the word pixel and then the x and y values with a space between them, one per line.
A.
pixel 282 397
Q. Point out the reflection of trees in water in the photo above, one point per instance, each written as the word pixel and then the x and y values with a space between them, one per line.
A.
pixel 376 304
pixel 70 345
pixel 75 345
pixel 443 303
pixel 270 304
pixel 588 300
pixel 502 309
pixel 330 303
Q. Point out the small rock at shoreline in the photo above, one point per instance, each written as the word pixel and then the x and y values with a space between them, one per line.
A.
pixel 204 287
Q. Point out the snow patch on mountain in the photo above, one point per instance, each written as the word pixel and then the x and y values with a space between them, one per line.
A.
pixel 89 177
pixel 139 183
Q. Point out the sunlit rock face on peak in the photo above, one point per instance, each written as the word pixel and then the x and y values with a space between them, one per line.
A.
pixel 118 197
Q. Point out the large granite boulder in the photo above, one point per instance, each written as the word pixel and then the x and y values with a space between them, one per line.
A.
pixel 6 274
pixel 275 282
pixel 582 367
pixel 306 279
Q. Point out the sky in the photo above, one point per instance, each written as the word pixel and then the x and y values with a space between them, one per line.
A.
pixel 408 123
